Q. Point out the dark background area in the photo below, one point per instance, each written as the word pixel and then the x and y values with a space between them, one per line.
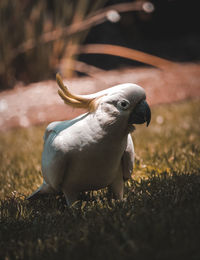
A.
pixel 171 32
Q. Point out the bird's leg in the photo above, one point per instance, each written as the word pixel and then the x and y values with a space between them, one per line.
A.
pixel 117 188
pixel 70 197
pixel 42 190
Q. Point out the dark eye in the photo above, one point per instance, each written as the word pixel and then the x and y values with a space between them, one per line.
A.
pixel 123 104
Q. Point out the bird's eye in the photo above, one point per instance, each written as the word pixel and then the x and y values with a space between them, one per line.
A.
pixel 123 104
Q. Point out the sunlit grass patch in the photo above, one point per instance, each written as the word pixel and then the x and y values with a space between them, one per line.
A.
pixel 158 219
pixel 20 157
pixel 172 142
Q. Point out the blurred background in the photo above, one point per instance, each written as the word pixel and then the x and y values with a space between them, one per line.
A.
pixel 96 44
pixel 40 38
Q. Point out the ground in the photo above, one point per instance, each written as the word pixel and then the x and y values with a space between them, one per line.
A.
pixel 39 103
pixel 158 219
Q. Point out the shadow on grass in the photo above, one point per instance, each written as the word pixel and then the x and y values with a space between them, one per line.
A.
pixel 158 219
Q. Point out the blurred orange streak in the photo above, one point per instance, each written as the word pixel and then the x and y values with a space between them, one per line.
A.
pixel 126 53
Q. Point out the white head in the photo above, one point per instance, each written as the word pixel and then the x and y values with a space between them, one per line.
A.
pixel 126 102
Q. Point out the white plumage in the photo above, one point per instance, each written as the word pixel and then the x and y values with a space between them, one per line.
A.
pixel 94 150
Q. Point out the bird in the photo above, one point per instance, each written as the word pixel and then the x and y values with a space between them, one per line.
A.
pixel 94 150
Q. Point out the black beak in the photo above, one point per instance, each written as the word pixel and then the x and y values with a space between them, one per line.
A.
pixel 140 114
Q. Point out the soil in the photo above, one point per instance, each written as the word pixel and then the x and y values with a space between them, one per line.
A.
pixel 39 103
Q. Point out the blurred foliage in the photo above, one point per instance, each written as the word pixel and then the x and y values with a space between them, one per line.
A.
pixel 165 33
pixel 159 218
pixel 21 21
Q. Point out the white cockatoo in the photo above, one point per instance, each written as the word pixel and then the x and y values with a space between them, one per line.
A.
pixel 94 150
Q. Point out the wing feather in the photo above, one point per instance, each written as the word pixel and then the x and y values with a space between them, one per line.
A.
pixel 128 159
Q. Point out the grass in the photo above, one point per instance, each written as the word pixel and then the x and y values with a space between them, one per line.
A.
pixel 159 218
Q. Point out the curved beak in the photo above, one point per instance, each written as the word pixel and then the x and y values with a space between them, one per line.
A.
pixel 140 114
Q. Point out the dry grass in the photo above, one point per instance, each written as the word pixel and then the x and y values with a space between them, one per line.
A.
pixel 26 54
pixel 159 218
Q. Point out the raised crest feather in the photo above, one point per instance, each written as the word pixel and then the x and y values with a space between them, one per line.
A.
pixel 75 101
